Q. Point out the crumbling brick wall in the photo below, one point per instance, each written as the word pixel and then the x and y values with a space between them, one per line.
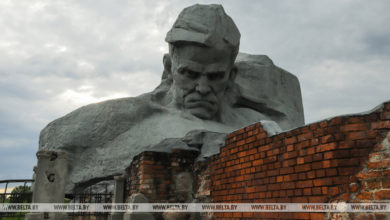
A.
pixel 153 174
pixel 337 159
pixel 346 158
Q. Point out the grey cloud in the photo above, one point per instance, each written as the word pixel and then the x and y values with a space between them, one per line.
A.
pixel 338 49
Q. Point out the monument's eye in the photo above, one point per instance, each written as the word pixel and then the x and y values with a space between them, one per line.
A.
pixel 215 76
pixel 189 73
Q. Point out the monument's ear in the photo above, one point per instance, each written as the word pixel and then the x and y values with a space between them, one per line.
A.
pixel 167 66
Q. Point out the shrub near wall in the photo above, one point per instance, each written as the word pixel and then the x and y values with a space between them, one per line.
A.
pixel 345 158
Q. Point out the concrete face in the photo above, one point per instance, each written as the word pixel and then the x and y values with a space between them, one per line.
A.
pixel 101 139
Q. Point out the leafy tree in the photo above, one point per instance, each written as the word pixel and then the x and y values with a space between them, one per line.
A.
pixel 21 194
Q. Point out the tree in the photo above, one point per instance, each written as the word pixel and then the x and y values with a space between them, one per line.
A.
pixel 21 194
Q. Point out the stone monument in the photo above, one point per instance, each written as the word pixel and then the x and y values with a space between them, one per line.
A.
pixel 206 86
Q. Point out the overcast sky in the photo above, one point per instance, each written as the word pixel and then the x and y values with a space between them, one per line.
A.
pixel 56 56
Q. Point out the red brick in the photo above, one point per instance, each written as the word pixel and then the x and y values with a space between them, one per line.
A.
pixel 336 121
pixel 346 162
pixel 300 160
pixel 332 191
pixel 289 185
pixel 264 148
pixel 353 187
pixel 286 215
pixel 317 157
pixel 302 168
pixel 326 147
pixel 289 163
pixel 386 173
pixel 290 148
pixel 301 215
pixel 326 164
pixel 328 155
pixel 297 192
pixel 380 124
pixel 250 139
pixel 305 136
pixel 317 199
pixel 308 159
pixel 289 155
pixel 380 164
pixel 357 135
pixel 301 176
pixel 290 192
pixel 376 184
pixel 247 214
pixel 382 194
pixel 364 196
pixel 290 177
pixel 385 115
pixel 291 140
pixel 240 143
pixel 320 173
pixel 387 106
pixel 354 127
pixel 386 183
pixel 381 216
pixel 311 174
pixel 316 215
pixel 314 141
pixel 304 184
pixel 303 145
pixel 346 171
pixel 252 151
pixel 316 190
pixel 327 138
pixel 331 172
pixel 307 192
pixel 322 182
pixel 314 126
pixel 360 216
pixel 345 196
pixel 368 175
pixel 286 170
pixel 340 179
pixel 257 162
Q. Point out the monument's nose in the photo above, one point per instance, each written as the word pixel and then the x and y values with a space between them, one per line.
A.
pixel 203 85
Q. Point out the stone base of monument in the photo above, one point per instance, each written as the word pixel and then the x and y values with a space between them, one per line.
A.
pixel 116 216
pixel 40 216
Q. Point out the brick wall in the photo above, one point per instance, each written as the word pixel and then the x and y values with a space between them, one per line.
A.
pixel 153 174
pixel 343 158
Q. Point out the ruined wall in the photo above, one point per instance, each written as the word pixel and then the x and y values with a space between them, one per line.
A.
pixel 153 174
pixel 345 158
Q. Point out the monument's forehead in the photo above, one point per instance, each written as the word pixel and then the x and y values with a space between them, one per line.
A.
pixel 204 24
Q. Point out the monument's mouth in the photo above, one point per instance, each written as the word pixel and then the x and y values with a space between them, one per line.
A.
pixel 200 103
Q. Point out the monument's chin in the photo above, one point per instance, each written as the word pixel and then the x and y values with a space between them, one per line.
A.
pixel 201 113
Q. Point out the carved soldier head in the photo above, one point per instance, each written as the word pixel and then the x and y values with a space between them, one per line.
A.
pixel 203 44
